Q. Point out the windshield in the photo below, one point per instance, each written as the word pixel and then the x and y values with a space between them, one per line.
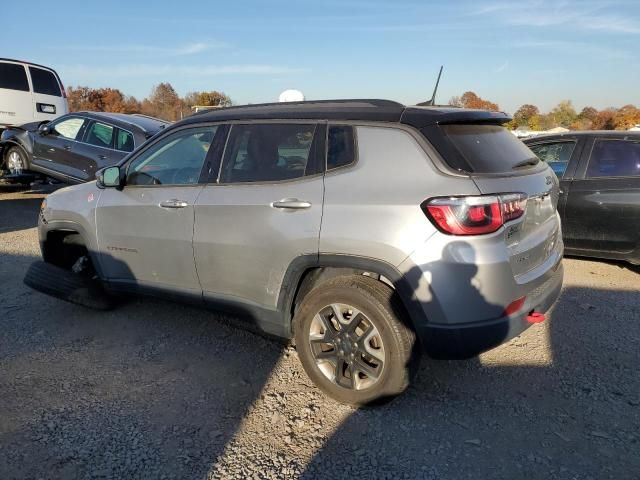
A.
pixel 488 148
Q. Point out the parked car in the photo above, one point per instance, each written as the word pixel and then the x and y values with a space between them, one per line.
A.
pixel 29 93
pixel 599 174
pixel 75 146
pixel 367 230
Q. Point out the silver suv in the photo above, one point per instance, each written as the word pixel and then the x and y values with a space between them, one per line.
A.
pixel 367 231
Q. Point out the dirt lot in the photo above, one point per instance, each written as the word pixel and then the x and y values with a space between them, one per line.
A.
pixel 159 390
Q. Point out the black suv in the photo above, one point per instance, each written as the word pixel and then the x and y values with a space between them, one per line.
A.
pixel 599 174
pixel 74 146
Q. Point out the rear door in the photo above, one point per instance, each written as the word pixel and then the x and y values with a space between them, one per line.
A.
pixel 261 212
pixel 15 94
pixel 49 99
pixel 603 204
pixel 56 152
pixel 562 155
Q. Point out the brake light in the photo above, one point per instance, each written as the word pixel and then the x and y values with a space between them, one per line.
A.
pixel 474 215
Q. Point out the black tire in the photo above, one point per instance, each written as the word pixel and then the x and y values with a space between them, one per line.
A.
pixel 24 179
pixel 380 305
pixel 66 285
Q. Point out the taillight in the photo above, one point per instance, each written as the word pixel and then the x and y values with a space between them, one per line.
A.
pixel 475 215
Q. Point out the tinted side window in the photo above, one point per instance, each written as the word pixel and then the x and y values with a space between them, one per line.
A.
pixel 124 141
pixel 267 152
pixel 70 128
pixel 13 77
pixel 614 158
pixel 341 146
pixel 44 82
pixel 100 135
pixel 556 154
pixel 175 160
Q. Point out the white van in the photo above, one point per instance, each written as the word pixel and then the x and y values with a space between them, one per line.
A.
pixel 29 93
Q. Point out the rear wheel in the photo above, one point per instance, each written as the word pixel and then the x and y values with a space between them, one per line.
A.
pixel 354 341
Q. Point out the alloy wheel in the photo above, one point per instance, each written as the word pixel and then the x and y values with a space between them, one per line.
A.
pixel 347 346
pixel 14 163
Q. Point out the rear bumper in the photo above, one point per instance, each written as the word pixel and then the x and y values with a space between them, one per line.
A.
pixel 460 341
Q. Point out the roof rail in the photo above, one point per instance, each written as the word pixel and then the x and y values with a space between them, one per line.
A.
pixel 375 102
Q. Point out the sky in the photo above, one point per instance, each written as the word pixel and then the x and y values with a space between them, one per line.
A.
pixel 511 52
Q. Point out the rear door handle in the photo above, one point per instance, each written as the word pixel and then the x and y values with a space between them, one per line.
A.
pixel 291 204
pixel 102 157
pixel 174 203
pixel 67 147
pixel 51 150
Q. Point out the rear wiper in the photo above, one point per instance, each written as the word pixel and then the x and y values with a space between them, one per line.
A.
pixel 529 162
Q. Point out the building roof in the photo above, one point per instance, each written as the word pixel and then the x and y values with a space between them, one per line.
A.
pixel 359 110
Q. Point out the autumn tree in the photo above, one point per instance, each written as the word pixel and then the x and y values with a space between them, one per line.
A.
pixel 472 100
pixel 163 102
pixel 206 99
pixel 605 120
pixel 524 114
pixel 101 100
pixel 627 117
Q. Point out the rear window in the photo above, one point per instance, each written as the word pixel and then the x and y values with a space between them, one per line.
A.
pixel 13 77
pixel 44 82
pixel 341 147
pixel 484 149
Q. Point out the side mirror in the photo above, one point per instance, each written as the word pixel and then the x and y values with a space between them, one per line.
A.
pixel 109 177
pixel 44 129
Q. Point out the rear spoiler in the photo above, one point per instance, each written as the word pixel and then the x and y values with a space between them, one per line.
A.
pixel 415 116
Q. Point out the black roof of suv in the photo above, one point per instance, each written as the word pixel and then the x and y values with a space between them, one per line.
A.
pixel 364 110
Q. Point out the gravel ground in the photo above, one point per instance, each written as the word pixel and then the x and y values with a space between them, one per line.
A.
pixel 159 390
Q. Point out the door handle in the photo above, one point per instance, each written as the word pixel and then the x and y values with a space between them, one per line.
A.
pixel 102 157
pixel 291 204
pixel 174 203
pixel 67 147
pixel 51 150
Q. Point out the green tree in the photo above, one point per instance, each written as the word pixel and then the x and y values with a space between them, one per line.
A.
pixel 563 115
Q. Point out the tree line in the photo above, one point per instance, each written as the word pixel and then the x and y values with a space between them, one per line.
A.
pixel 163 101
pixel 562 115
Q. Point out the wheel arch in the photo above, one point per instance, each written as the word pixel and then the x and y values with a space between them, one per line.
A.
pixel 61 242
pixel 307 271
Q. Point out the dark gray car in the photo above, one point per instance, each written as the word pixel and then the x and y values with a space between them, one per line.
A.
pixel 73 147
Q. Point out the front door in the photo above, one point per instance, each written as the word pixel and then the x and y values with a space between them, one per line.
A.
pixel 264 211
pixel 57 150
pixel 603 205
pixel 145 230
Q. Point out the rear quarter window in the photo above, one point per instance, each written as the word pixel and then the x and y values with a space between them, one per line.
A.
pixel 341 146
pixel 13 76
pixel 44 82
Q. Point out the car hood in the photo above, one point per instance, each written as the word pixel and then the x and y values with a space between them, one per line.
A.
pixel 30 126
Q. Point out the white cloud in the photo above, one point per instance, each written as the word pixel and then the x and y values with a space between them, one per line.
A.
pixel 187 49
pixel 147 70
pixel 575 48
pixel 503 67
pixel 544 13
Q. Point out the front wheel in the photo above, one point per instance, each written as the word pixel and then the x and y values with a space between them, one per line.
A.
pixel 354 341
pixel 15 161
